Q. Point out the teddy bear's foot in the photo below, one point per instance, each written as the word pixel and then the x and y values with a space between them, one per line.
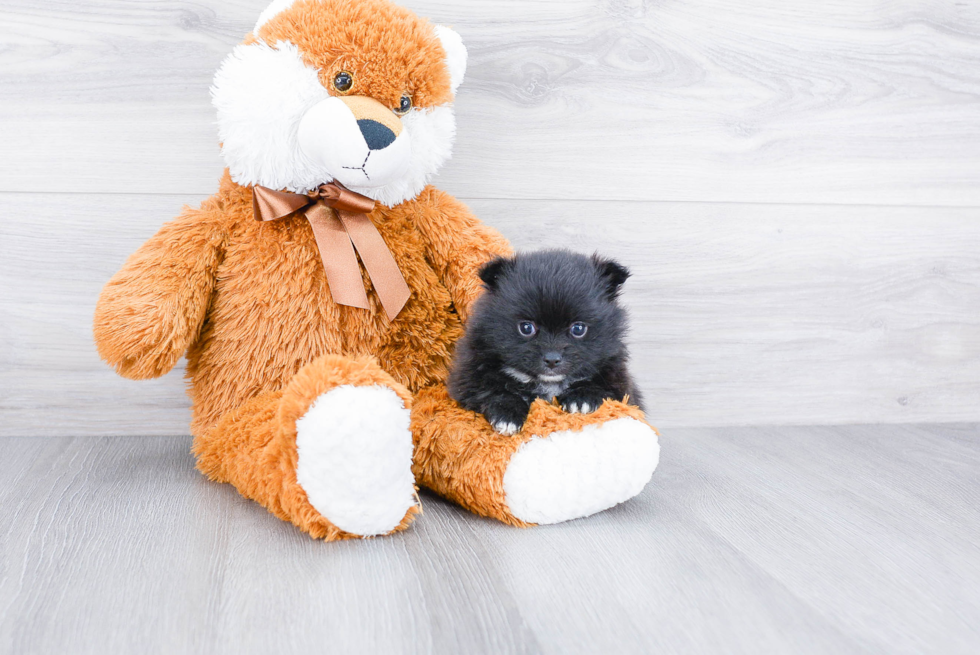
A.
pixel 570 474
pixel 355 458
pixel 331 453
pixel 559 467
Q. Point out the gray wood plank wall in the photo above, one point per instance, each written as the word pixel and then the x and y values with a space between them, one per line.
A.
pixel 795 185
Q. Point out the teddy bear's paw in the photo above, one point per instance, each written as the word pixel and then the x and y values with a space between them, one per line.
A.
pixel 570 474
pixel 355 458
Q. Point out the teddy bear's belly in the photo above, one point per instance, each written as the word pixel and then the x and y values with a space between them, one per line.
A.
pixel 272 313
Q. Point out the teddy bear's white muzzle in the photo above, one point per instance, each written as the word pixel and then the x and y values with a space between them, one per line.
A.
pixel 357 153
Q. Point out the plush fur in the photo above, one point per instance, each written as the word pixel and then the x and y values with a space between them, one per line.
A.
pixel 577 473
pixel 249 301
pixel 499 371
pixel 459 456
pixel 355 458
pixel 297 401
pixel 268 85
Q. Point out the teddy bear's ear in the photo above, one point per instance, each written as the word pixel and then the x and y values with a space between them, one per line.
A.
pixel 452 43
pixel 491 271
pixel 270 12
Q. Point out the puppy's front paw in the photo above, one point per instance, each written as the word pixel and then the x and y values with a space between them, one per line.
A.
pixel 507 415
pixel 505 428
pixel 582 401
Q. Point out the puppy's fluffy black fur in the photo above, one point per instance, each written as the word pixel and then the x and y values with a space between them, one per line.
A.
pixel 502 364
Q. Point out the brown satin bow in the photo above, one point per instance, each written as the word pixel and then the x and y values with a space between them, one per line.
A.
pixel 340 222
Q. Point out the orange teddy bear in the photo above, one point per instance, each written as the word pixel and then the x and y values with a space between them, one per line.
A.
pixel 318 375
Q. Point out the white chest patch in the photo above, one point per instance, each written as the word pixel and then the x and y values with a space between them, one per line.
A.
pixel 523 378
pixel 546 386
pixel 549 390
pixel 550 386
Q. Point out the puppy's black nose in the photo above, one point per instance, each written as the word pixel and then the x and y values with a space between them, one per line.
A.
pixel 376 135
pixel 552 359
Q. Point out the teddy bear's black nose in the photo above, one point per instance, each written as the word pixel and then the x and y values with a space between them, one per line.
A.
pixel 376 135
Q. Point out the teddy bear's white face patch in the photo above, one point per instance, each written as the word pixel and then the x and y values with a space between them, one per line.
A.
pixel 358 149
pixel 261 94
pixel 280 128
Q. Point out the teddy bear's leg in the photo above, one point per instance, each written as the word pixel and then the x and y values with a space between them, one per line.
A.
pixel 332 452
pixel 559 467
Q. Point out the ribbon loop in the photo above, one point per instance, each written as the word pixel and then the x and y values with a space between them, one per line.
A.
pixel 341 199
pixel 269 205
pixel 341 225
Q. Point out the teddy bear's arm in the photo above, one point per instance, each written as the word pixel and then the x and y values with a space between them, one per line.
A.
pixel 153 308
pixel 458 244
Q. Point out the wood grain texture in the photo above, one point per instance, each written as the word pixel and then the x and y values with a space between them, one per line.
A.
pixel 707 100
pixel 742 314
pixel 802 540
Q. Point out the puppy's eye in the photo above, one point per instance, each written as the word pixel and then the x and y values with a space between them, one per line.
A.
pixel 527 328
pixel 578 330
pixel 404 106
pixel 343 81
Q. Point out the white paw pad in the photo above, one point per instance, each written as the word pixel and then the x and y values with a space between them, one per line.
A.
pixel 355 458
pixel 568 475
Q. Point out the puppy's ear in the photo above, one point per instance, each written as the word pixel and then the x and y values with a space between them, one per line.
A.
pixel 612 273
pixel 491 272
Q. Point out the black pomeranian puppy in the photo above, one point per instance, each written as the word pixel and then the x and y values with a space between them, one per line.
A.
pixel 549 326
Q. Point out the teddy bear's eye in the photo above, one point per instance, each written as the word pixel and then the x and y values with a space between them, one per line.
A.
pixel 404 106
pixel 343 81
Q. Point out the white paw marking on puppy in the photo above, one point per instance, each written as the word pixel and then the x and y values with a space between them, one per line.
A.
pixel 355 458
pixel 505 428
pixel 584 408
pixel 568 475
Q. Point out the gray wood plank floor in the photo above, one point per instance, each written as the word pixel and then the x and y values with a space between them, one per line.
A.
pixel 748 540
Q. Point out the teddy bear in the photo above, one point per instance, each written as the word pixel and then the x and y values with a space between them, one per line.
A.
pixel 318 295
